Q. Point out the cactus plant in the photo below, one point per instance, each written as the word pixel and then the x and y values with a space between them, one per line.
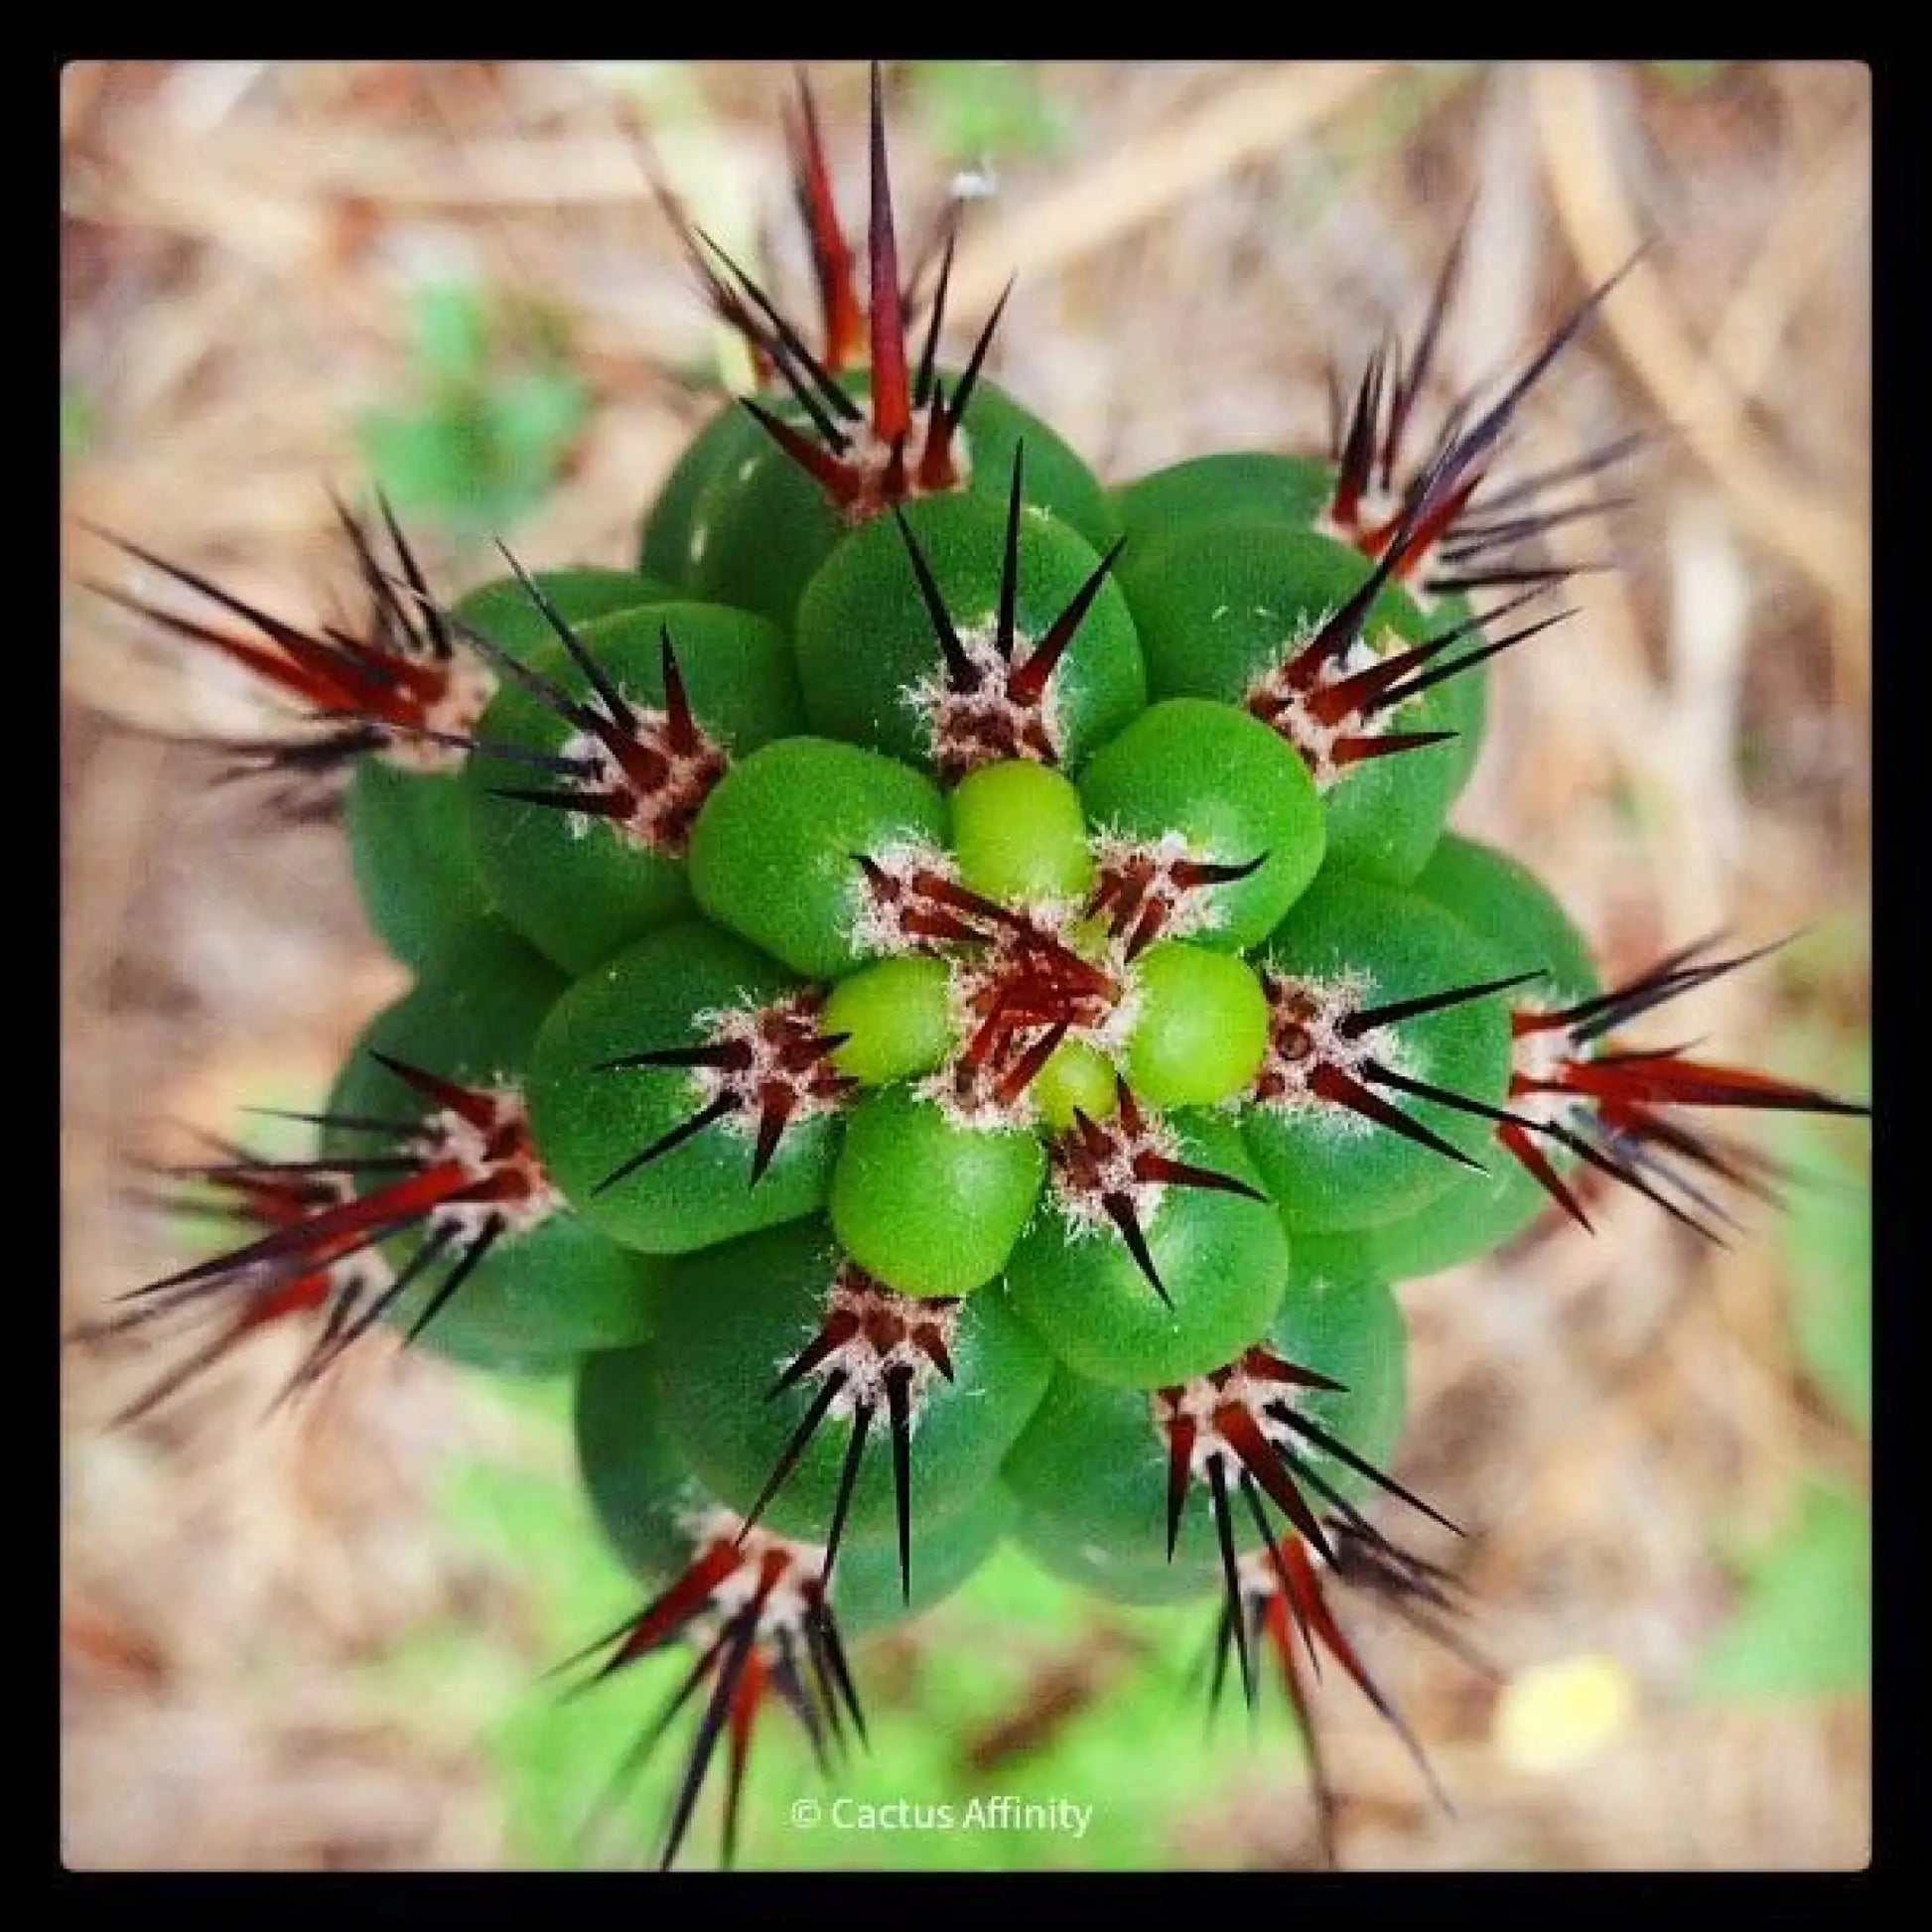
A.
pixel 948 998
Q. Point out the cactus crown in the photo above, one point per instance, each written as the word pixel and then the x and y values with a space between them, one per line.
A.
pixel 936 984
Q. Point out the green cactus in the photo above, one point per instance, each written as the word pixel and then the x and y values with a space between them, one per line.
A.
pixel 949 1000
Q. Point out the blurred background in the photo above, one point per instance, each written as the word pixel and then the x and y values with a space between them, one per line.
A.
pixel 316 1640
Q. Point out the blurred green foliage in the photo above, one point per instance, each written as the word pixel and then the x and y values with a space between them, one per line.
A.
pixel 1688 76
pixel 79 420
pixel 1803 1622
pixel 971 110
pixel 1803 1626
pixel 1828 1250
pixel 496 407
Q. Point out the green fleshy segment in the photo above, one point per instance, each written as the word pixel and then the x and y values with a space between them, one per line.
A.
pixel 767 527
pixel 543 1294
pixel 540 1301
pixel 578 887
pixel 1233 790
pixel 1200 1025
pixel 410 850
pixel 506 614
pixel 470 1016
pixel 760 528
pixel 1058 481
pixel 1099 1567
pixel 1247 483
pixel 1295 490
pixel 1075 1077
pixel 725 1280
pixel 641 1493
pixel 667 543
pixel 1019 834
pixel 898 1013
pixel 1222 1258
pixel 730 1319
pixel 1468 691
pixel 1221 604
pixel 772 855
pixel 665 991
pixel 928 1205
pixel 1468 696
pixel 1349 1328
pixel 1093 1463
pixel 1471 1218
pixel 1513 913
pixel 1326 1167
pixel 871 664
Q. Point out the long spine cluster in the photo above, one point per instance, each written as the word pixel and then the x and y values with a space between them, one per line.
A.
pixel 461 1179
pixel 754 1605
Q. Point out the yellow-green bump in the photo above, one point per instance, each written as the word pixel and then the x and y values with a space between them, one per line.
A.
pixel 1019 834
pixel 1201 1028
pixel 898 1015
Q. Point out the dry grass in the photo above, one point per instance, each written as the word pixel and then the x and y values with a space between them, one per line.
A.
pixel 240 242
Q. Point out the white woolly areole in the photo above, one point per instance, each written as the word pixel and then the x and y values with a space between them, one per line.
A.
pixel 766 1032
pixel 1379 509
pixel 1080 1200
pixel 967 728
pixel 366 1272
pixel 1374 509
pixel 1112 1035
pixel 969 976
pixel 863 1360
pixel 1541 1057
pixel 1197 1401
pixel 1286 709
pixel 1188 910
pixel 978 1108
pixel 486 1153
pixel 869 456
pixel 660 819
pixel 1259 1574
pixel 359 1274
pixel 874 926
pixel 1317 1007
pixel 787 1606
